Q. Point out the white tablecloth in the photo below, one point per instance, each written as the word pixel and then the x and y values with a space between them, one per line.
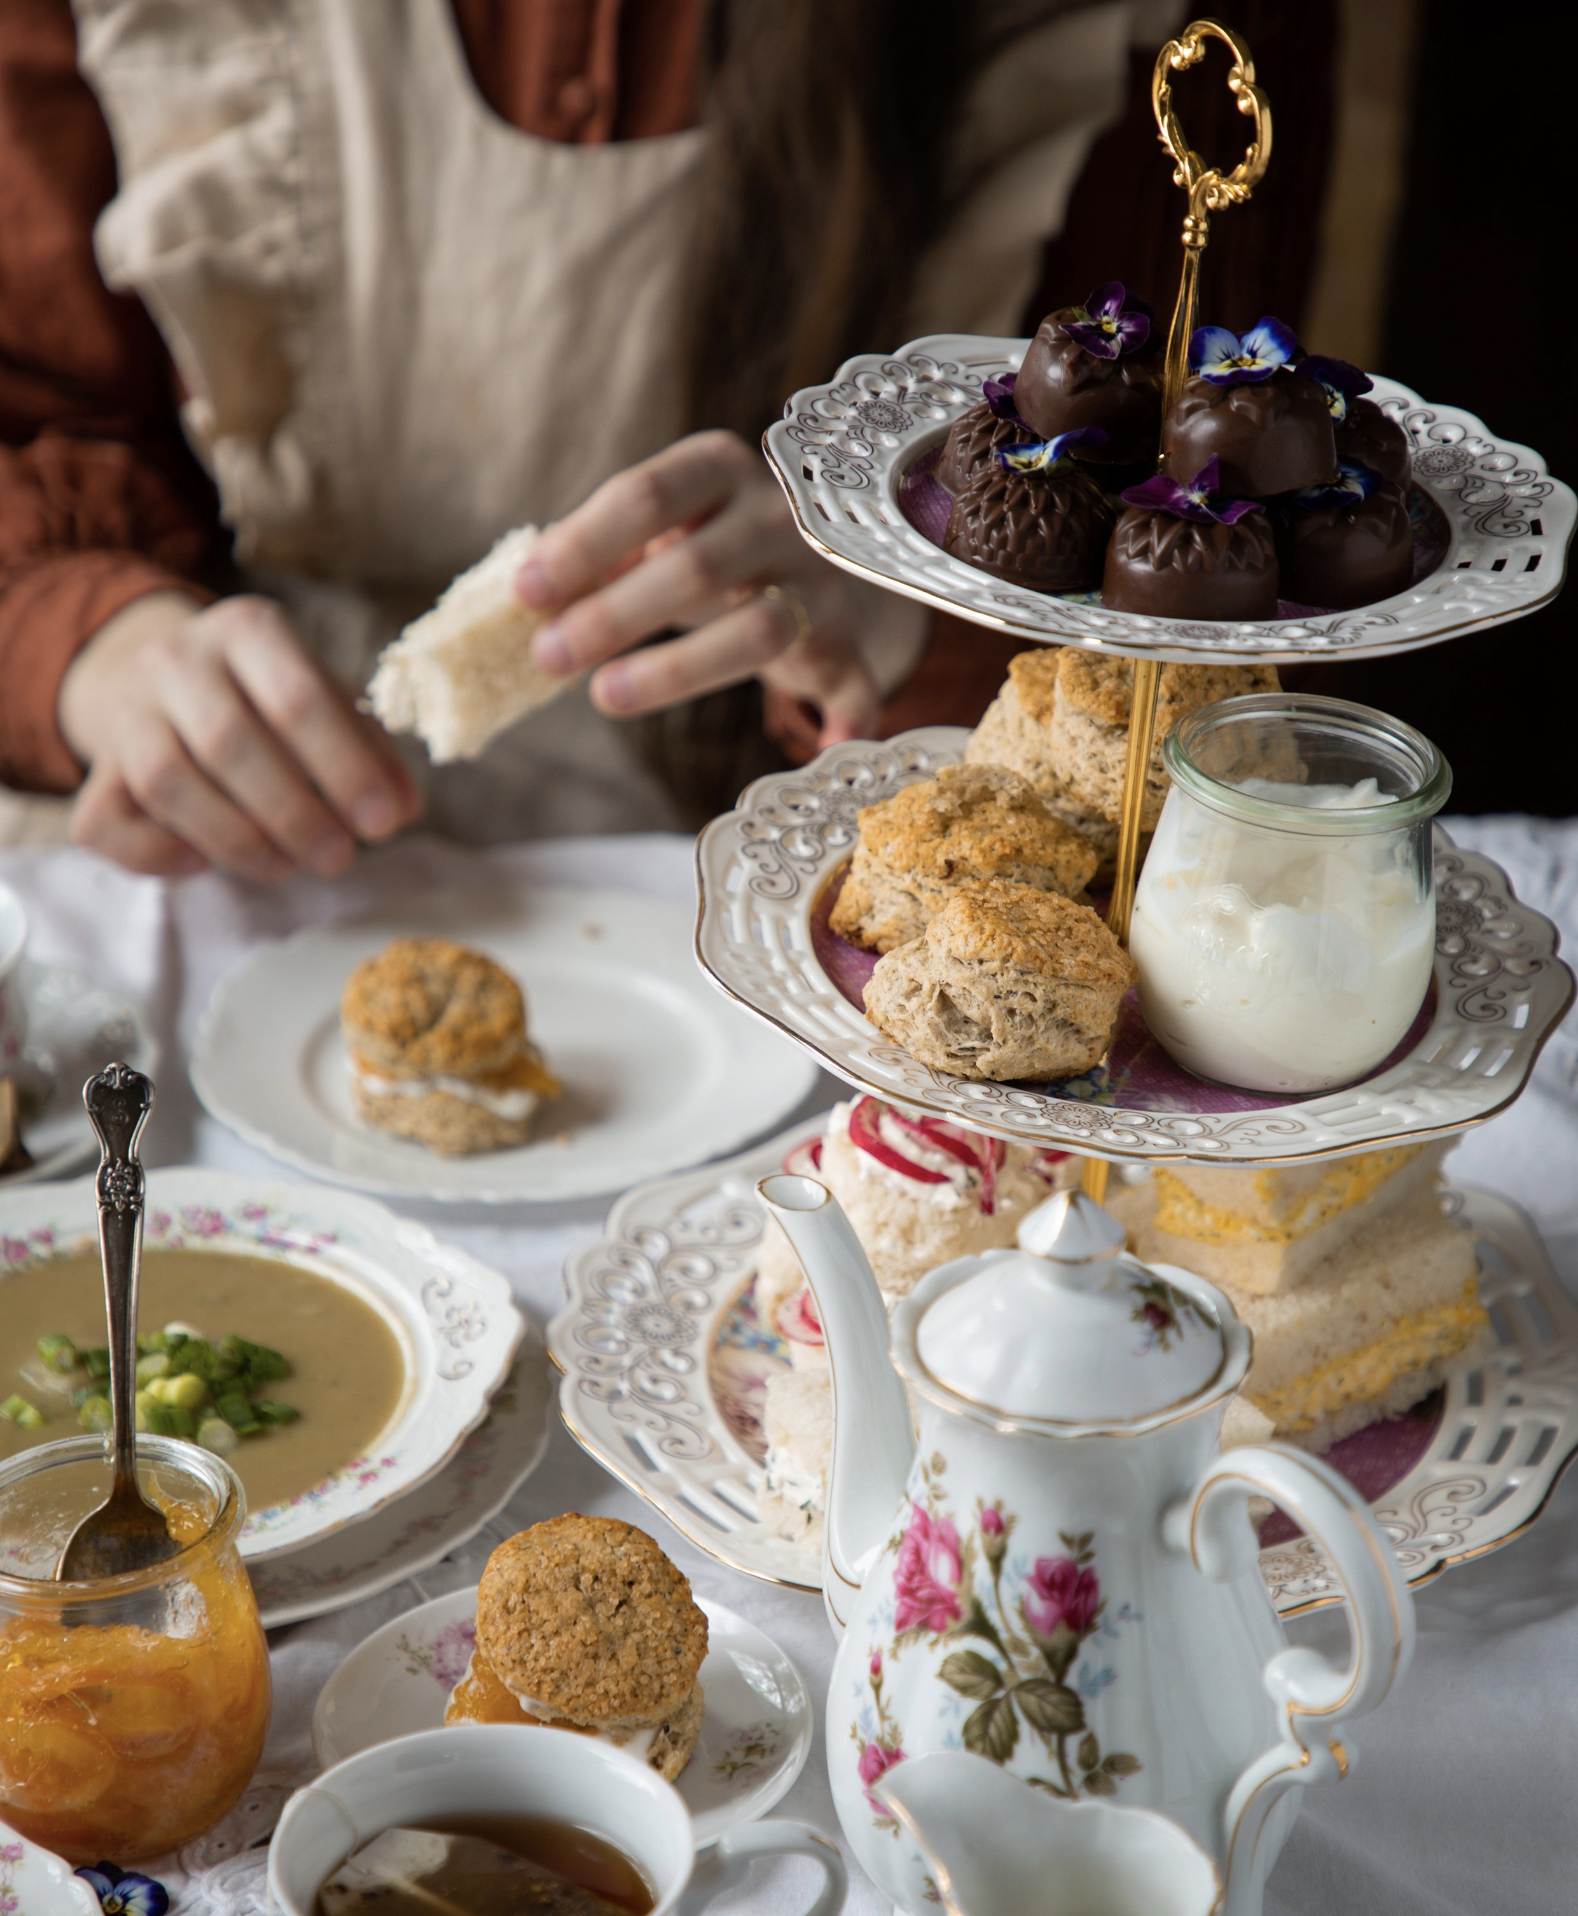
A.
pixel 1463 1802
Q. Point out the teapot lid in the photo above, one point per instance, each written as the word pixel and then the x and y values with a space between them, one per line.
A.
pixel 1071 1329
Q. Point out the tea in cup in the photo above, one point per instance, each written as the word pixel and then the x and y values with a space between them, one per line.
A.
pixel 579 1812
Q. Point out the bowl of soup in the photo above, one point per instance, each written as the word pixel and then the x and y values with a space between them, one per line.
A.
pixel 336 1355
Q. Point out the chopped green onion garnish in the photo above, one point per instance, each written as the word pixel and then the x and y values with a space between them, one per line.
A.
pixel 237 1413
pixel 59 1353
pixel 17 1410
pixel 95 1414
pixel 155 1364
pixel 214 1434
pixel 273 1413
pixel 188 1390
pixel 96 1362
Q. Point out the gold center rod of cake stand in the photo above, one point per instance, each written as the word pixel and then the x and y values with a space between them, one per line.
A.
pixel 1208 188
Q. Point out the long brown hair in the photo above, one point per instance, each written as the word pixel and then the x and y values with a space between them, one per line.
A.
pixel 830 123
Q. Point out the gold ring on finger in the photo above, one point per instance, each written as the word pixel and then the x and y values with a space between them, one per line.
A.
pixel 786 596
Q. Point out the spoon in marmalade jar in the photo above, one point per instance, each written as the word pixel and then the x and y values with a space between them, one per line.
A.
pixel 126 1532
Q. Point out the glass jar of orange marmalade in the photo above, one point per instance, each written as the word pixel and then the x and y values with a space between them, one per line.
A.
pixel 132 1709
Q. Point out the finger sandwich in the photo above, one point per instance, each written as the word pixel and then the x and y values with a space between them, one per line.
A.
pixel 583 1624
pixel 437 1051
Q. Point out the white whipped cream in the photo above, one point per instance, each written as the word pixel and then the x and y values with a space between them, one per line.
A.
pixel 637 1743
pixel 510 1105
pixel 788 1478
pixel 960 1186
pixel 1276 961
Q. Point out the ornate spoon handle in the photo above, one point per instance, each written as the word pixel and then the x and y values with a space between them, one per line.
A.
pixel 118 1101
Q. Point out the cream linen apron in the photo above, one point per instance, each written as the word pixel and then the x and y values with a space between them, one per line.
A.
pixel 405 327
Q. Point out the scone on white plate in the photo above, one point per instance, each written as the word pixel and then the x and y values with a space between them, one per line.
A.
pixel 1006 983
pixel 464 672
pixel 437 1051
pixel 919 847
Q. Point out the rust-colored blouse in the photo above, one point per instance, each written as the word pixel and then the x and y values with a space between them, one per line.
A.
pixel 101 500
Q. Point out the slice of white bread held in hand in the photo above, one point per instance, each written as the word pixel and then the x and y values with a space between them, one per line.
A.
pixel 462 673
pixel 1007 982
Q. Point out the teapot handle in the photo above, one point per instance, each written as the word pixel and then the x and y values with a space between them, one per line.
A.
pixel 1313 1694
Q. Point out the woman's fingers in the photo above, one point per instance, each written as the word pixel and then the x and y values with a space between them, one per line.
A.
pixel 686 481
pixel 348 761
pixel 751 539
pixel 108 820
pixel 737 646
pixel 168 785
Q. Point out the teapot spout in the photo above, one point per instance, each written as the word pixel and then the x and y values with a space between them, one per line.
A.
pixel 997 1846
pixel 873 1440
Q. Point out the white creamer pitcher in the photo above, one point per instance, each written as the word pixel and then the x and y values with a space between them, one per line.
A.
pixel 1060 1576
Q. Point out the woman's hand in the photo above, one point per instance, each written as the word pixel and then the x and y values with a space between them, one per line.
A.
pixel 691 538
pixel 211 738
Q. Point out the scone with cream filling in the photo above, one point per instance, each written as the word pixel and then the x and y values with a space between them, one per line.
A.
pixel 583 1624
pixel 1007 982
pixel 437 1051
pixel 919 847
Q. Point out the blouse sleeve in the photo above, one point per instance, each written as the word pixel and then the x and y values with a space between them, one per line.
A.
pixel 101 500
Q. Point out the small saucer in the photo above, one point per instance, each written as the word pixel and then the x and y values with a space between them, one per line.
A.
pixel 753 1744
pixel 74 1028
pixel 36 1882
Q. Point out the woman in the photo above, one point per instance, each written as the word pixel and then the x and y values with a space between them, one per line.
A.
pixel 434 268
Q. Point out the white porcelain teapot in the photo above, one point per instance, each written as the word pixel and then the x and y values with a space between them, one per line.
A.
pixel 1061 1575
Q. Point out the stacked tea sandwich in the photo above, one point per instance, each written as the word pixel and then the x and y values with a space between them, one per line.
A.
pixel 1359 1290
pixel 918 1191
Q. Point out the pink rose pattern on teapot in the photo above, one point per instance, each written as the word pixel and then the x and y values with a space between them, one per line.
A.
pixel 1032 1616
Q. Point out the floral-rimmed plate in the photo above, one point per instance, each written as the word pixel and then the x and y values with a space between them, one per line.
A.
pixel 846 454
pixel 666 1366
pixel 433 1521
pixel 456 1321
pixel 765 876
pixel 754 1740
pixel 37 1882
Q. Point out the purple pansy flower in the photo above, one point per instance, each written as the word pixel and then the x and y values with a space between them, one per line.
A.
pixel 1112 321
pixel 1199 500
pixel 121 1893
pixel 1226 360
pixel 1043 455
pixel 999 395
pixel 1342 381
pixel 1351 487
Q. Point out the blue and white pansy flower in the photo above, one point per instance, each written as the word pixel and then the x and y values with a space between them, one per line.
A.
pixel 1199 499
pixel 1044 454
pixel 1226 360
pixel 1352 486
pixel 1342 382
pixel 123 1893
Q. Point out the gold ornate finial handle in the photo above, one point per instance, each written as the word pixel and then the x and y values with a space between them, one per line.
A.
pixel 1207 186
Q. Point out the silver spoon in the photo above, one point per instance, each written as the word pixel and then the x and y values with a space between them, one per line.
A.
pixel 126 1532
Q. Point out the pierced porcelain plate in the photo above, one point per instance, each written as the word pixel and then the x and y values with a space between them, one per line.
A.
pixel 767 877
pixel 754 1738
pixel 454 1319
pixel 854 456
pixel 666 1365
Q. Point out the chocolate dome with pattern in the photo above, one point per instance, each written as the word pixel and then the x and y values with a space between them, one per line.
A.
pixel 1045 531
pixel 1061 388
pixel 977 436
pixel 1370 437
pixel 1174 568
pixel 1347 551
pixel 1268 435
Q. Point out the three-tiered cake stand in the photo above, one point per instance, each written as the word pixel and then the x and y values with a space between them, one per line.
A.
pixel 1492 528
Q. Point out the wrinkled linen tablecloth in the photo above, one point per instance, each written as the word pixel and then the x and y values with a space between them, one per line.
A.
pixel 1463 1801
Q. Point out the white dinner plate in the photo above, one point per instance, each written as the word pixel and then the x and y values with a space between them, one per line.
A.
pixel 74 1028
pixel 455 1320
pixel 659 1072
pixel 754 1738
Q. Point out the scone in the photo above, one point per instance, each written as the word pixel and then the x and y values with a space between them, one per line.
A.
pixel 437 1051
pixel 1007 982
pixel 919 847
pixel 584 1624
pixel 1090 723
pixel 1016 731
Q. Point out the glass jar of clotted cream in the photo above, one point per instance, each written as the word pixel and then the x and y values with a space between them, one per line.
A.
pixel 133 1708
pixel 1284 924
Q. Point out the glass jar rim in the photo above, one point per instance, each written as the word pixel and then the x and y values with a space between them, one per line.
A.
pixel 175 1454
pixel 1434 788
